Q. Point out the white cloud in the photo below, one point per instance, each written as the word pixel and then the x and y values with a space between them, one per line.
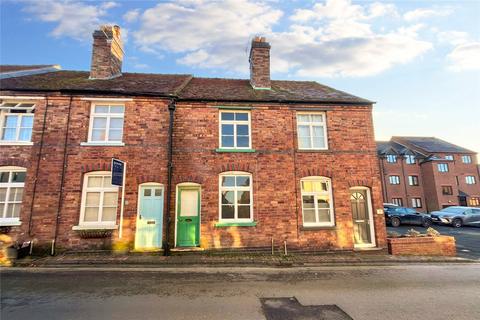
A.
pixel 465 57
pixel 331 39
pixel 206 33
pixel 453 37
pixel 425 13
pixel 131 16
pixel 73 19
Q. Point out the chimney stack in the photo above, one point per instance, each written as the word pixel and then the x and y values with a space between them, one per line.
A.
pixel 107 53
pixel 260 63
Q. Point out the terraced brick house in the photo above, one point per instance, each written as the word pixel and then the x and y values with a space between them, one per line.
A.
pixel 428 173
pixel 210 163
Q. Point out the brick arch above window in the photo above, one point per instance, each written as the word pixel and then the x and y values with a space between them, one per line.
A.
pixel 13 163
pixel 96 166
pixel 315 172
pixel 360 183
pixel 149 178
pixel 187 178
pixel 235 166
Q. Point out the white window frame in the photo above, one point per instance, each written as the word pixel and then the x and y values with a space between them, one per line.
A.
pixel 6 111
pixel 449 157
pixel 390 157
pixel 442 165
pixel 315 195
pixel 416 202
pixel 466 159
pixel 14 221
pixel 235 123
pixel 109 116
pixel 310 125
pixel 99 224
pixel 410 159
pixel 234 189
pixel 397 179
pixel 398 201
pixel 470 180
pixel 412 179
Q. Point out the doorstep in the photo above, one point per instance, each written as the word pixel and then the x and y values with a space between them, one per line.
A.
pixel 187 249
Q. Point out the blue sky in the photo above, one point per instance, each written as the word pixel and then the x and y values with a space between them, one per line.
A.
pixel 419 60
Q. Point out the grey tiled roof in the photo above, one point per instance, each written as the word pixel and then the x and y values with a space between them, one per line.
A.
pixel 186 87
pixel 432 144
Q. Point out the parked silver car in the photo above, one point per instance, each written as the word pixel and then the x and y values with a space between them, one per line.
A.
pixel 457 216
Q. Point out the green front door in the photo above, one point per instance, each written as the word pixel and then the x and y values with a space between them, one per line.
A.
pixel 188 217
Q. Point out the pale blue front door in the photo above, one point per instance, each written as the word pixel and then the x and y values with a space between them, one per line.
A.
pixel 149 218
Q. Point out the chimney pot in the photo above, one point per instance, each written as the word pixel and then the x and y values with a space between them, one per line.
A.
pixel 260 63
pixel 107 53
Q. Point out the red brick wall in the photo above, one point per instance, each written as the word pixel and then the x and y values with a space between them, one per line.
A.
pixel 276 166
pixel 423 246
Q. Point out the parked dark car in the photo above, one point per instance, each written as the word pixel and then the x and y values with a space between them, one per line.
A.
pixel 457 216
pixel 395 216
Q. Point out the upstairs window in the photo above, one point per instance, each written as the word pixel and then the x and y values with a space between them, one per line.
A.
pixel 413 180
pixel 16 122
pixel 99 200
pixel 442 167
pixel 470 180
pixel 449 157
pixel 12 182
pixel 106 123
pixel 391 158
pixel 410 159
pixel 312 131
pixel 236 201
pixel 235 130
pixel 466 159
pixel 317 201
pixel 394 179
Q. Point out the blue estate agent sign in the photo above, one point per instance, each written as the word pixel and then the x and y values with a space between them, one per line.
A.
pixel 118 168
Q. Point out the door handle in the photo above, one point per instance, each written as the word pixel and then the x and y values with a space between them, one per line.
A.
pixel 139 217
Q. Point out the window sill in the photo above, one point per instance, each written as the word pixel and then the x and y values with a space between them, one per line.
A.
pixel 235 150
pixel 317 228
pixel 312 150
pixel 16 143
pixel 95 227
pixel 235 224
pixel 9 222
pixel 102 144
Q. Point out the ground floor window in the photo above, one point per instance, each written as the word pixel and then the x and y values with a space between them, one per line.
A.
pixel 416 202
pixel 474 201
pixel 236 201
pixel 397 201
pixel 317 201
pixel 99 199
pixel 12 182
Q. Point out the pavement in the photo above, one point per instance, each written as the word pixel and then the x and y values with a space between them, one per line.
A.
pixel 411 291
pixel 222 259
pixel 467 238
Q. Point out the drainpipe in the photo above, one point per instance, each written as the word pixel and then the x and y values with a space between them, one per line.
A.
pixel 384 182
pixel 62 181
pixel 171 111
pixel 30 219
pixel 405 181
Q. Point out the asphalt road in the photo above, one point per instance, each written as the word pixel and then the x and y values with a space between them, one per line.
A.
pixel 397 292
pixel 466 238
